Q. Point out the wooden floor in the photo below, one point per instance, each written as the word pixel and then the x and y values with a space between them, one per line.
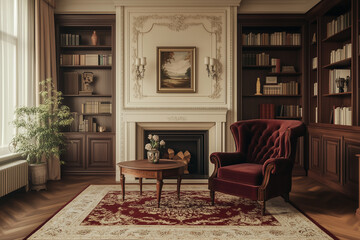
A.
pixel 21 213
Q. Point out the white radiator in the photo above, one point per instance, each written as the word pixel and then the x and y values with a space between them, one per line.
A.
pixel 13 176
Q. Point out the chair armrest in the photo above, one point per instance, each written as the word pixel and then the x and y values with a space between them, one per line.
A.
pixel 222 159
pixel 280 165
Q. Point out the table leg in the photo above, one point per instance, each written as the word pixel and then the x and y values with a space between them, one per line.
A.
pixel 122 181
pixel 140 183
pixel 159 185
pixel 178 186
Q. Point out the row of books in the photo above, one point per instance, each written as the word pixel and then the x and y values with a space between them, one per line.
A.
pixel 337 74
pixel 338 24
pixel 96 107
pixel 286 88
pixel 276 38
pixel 80 124
pixel 68 39
pixel 260 59
pixel 86 59
pixel 341 53
pixel 270 111
pixel 341 116
pixel 315 63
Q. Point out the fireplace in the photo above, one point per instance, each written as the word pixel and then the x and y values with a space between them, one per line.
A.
pixel 194 141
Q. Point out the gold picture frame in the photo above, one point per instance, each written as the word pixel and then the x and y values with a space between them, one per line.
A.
pixel 176 69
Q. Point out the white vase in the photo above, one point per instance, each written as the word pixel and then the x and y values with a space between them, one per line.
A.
pixel 153 155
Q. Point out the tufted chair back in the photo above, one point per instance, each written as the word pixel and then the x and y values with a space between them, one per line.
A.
pixel 262 139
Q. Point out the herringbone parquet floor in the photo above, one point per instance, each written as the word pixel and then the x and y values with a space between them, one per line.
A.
pixel 21 213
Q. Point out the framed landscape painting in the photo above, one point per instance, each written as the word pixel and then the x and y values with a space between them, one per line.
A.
pixel 176 69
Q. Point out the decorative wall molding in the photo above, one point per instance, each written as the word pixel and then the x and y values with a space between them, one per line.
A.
pixel 177 23
pixel 177 3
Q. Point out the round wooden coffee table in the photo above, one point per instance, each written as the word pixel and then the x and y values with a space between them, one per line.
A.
pixel 159 171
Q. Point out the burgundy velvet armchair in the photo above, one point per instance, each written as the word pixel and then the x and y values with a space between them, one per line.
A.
pixel 261 167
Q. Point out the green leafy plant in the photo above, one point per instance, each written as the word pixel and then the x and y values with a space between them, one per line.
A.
pixel 39 128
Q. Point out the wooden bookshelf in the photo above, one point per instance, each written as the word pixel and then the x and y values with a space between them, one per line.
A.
pixel 332 148
pixel 289 55
pixel 89 151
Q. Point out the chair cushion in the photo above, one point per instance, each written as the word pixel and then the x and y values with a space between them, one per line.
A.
pixel 246 173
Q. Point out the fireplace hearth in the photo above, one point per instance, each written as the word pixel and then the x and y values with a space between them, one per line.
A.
pixel 194 141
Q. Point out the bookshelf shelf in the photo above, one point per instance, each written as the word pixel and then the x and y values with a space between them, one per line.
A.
pixel 96 114
pixel 87 66
pixel 339 36
pixel 271 47
pixel 337 94
pixel 285 74
pixel 85 96
pixel 342 63
pixel 258 66
pixel 88 150
pixel 86 47
pixel 295 118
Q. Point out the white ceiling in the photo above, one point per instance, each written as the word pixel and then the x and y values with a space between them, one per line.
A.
pixel 276 6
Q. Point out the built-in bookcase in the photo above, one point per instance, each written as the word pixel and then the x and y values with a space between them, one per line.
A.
pixel 314 92
pixel 271 50
pixel 271 47
pixel 333 140
pixel 91 138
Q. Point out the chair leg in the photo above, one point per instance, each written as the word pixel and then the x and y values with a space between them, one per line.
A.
pixel 212 196
pixel 262 204
pixel 286 197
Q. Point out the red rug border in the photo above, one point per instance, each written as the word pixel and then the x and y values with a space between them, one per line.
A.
pixel 314 221
pixel 291 203
pixel 29 235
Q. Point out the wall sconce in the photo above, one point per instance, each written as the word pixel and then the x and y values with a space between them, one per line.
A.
pixel 210 67
pixel 140 64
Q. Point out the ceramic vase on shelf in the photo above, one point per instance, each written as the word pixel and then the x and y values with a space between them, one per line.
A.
pixel 94 39
pixel 153 155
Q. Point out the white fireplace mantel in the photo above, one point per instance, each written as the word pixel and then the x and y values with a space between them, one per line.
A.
pixel 143 25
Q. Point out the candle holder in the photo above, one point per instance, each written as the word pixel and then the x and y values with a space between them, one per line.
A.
pixel 210 64
pixel 140 64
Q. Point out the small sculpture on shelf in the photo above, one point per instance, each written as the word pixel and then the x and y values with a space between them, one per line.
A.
pixel 342 84
pixel 94 38
pixel 87 78
pixel 258 87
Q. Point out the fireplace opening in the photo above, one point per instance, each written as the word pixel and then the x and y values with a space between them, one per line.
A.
pixel 194 141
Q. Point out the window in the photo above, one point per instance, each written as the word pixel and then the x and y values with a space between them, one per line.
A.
pixel 17 87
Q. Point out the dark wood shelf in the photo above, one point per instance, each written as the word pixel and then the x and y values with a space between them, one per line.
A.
pixel 95 133
pixel 284 74
pixel 272 47
pixel 342 63
pixel 339 36
pixel 258 66
pixel 337 94
pixel 87 66
pixel 95 114
pixel 77 95
pixel 277 95
pixel 86 47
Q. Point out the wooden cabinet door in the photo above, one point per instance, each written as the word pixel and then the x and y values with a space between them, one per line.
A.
pixel 315 160
pixel 332 158
pixel 100 153
pixel 351 165
pixel 74 154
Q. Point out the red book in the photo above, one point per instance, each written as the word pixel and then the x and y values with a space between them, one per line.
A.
pixel 277 66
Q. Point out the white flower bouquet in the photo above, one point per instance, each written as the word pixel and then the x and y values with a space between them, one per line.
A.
pixel 155 142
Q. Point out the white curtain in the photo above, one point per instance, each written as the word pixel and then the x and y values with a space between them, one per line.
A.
pixel 17 81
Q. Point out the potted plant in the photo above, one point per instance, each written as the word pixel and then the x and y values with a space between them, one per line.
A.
pixel 38 136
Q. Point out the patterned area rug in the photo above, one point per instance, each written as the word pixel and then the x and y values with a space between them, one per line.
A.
pixel 99 213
